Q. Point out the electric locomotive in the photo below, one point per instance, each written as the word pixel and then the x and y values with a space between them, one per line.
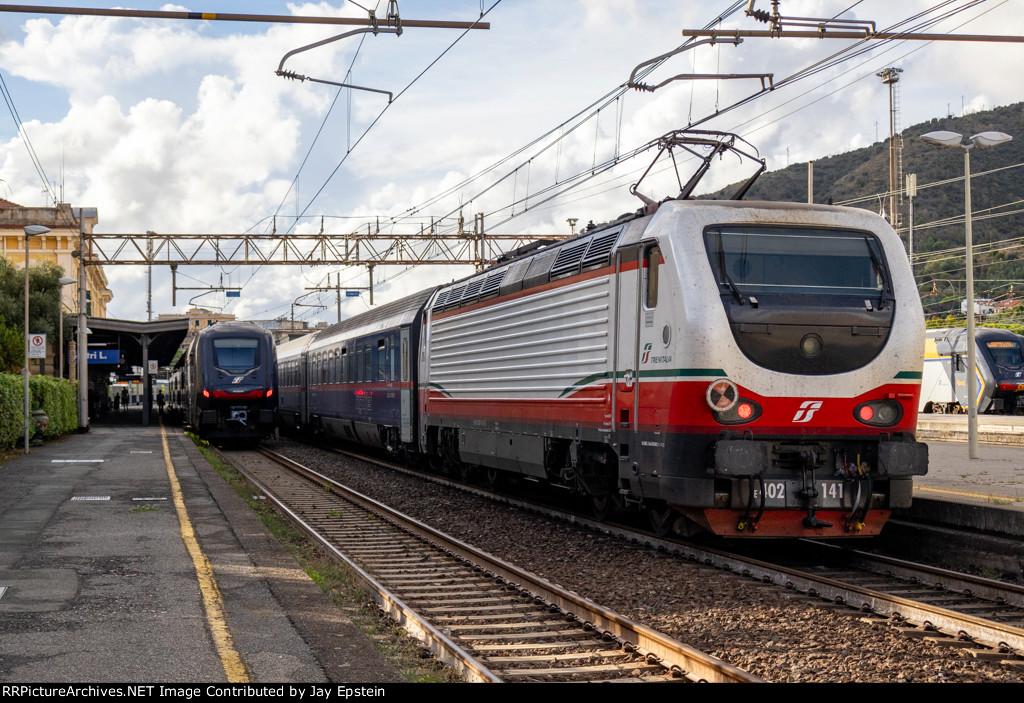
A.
pixel 749 369
pixel 225 385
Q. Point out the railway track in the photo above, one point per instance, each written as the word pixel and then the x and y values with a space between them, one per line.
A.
pixel 981 616
pixel 488 619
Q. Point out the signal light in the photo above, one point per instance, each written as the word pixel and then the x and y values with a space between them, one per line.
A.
pixel 879 413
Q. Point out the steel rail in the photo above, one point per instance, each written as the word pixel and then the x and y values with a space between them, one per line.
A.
pixel 991 634
pixel 439 644
pixel 977 586
pixel 943 620
pixel 672 654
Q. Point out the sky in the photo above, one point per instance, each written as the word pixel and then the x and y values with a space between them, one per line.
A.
pixel 178 126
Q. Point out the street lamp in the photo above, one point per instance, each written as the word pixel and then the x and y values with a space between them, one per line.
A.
pixel 30 231
pixel 64 281
pixel 952 140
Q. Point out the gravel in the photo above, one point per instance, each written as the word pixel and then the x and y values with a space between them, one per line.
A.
pixel 777 635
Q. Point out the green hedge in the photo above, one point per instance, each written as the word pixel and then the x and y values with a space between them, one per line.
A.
pixel 58 398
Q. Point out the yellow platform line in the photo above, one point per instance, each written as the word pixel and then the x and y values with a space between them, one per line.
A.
pixel 967 494
pixel 230 659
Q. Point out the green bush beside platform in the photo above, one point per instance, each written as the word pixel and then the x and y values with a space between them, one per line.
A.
pixel 57 398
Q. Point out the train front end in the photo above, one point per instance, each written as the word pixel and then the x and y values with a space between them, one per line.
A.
pixel 797 359
pixel 236 397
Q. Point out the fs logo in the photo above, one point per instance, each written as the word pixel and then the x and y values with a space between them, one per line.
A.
pixel 647 353
pixel 807 410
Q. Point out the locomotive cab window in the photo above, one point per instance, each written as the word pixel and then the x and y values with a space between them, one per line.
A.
pixel 236 355
pixel 652 264
pixel 1006 354
pixel 762 260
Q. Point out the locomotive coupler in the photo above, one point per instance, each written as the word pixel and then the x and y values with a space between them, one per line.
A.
pixel 809 492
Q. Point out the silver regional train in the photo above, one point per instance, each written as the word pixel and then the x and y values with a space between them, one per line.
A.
pixel 999 369
pixel 225 385
pixel 750 369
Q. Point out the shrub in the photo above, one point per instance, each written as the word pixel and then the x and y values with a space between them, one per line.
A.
pixel 56 397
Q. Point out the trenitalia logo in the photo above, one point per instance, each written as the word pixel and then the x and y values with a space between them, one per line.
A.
pixel 807 410
pixel 647 353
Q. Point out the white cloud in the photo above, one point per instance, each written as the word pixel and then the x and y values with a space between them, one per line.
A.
pixel 183 126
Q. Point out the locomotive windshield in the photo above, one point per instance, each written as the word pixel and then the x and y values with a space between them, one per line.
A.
pixel 763 260
pixel 1006 354
pixel 236 355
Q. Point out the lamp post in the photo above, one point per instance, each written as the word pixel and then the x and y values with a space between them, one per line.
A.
pixel 953 140
pixel 64 281
pixel 30 231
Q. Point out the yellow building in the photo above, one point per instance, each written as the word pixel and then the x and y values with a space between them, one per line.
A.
pixel 56 247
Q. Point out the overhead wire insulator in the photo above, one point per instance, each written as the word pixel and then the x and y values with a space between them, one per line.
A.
pixel 292 75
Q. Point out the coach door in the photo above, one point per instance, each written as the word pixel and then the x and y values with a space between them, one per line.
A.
pixel 626 355
pixel 304 388
pixel 406 386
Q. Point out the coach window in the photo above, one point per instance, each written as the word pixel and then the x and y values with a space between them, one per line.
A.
pixel 405 359
pixel 382 360
pixel 392 360
pixel 652 261
pixel 344 365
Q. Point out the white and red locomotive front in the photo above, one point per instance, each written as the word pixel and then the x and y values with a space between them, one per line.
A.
pixel 751 369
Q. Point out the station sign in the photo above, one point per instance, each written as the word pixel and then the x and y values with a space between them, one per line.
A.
pixel 351 294
pixel 104 356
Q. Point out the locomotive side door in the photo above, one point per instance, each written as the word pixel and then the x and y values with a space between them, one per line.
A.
pixel 625 359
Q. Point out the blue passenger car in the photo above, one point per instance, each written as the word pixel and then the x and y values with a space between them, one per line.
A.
pixel 356 380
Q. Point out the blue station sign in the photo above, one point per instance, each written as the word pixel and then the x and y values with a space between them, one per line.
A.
pixel 104 356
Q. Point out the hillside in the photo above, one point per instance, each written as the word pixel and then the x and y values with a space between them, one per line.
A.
pixel 863 172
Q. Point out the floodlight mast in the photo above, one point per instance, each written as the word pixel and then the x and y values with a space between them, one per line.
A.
pixel 983 140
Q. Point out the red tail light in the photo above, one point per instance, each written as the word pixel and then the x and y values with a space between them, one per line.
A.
pixel 879 413
pixel 270 392
pixel 206 393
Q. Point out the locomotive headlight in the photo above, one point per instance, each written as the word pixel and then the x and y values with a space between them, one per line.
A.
pixel 879 413
pixel 810 346
pixel 722 395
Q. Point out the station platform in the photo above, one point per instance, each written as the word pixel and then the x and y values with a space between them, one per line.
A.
pixel 104 579
pixel 992 429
